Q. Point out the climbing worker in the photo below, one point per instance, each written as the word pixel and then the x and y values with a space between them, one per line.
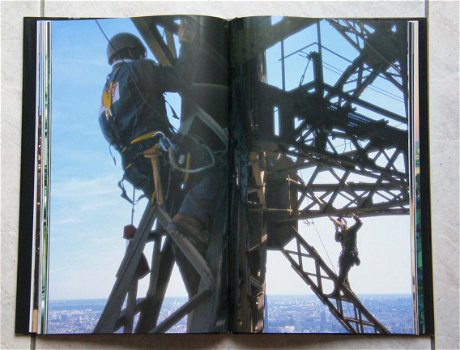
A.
pixel 133 111
pixel 133 104
pixel 347 236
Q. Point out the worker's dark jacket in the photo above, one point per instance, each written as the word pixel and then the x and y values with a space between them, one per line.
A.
pixel 349 237
pixel 133 105
pixel 136 89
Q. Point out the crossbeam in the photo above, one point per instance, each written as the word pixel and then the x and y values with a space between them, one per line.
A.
pixel 359 320
pixel 114 316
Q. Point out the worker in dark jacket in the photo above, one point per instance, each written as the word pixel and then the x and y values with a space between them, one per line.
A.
pixel 133 109
pixel 133 104
pixel 347 236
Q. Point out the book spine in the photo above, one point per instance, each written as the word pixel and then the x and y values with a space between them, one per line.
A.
pixel 27 195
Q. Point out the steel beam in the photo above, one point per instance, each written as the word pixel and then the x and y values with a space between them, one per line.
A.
pixel 358 321
pixel 257 37
pixel 161 49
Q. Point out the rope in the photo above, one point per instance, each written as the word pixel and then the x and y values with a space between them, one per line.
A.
pixel 166 145
pixel 317 233
pixel 324 247
pixel 132 206
pixel 177 167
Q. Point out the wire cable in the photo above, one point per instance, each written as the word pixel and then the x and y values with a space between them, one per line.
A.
pixel 133 204
pixel 319 236
pixel 304 71
pixel 324 247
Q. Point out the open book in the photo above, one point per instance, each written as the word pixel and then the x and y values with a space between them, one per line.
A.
pixel 272 172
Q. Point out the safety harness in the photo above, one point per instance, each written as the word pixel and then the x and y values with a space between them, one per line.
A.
pixel 157 142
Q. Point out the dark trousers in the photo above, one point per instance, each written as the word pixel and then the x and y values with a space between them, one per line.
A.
pixel 346 260
pixel 201 200
pixel 200 203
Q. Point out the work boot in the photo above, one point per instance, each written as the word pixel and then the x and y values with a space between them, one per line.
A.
pixel 192 229
pixel 190 264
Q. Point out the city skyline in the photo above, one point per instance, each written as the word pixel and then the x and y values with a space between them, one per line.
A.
pixel 291 314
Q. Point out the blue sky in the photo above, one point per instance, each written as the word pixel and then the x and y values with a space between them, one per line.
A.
pixel 88 214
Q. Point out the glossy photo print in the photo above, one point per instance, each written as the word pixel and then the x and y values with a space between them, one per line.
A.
pixel 198 175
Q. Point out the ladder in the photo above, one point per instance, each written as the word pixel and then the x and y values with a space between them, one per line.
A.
pixel 345 305
pixel 123 303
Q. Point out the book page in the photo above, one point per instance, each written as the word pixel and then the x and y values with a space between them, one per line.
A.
pixel 139 108
pixel 325 120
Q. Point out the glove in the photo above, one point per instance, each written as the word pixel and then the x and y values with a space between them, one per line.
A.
pixel 187 30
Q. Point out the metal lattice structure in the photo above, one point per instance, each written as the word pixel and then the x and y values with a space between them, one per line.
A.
pixel 124 304
pixel 346 307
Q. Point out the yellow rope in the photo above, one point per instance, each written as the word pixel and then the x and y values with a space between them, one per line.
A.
pixel 143 137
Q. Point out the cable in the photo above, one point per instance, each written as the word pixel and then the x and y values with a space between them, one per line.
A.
pixel 304 71
pixel 133 204
pixel 371 87
pixel 317 232
pixel 327 254
pixel 177 167
pixel 166 144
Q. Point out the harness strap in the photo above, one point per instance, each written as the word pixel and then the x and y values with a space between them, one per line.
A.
pixel 139 145
pixel 124 195
pixel 209 121
pixel 213 125
pixel 143 137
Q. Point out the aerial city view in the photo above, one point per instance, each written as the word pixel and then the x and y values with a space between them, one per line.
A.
pixel 285 314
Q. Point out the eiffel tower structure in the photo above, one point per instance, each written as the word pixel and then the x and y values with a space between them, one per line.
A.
pixel 287 141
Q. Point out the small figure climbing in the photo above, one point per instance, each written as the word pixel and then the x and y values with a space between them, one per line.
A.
pixel 347 236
